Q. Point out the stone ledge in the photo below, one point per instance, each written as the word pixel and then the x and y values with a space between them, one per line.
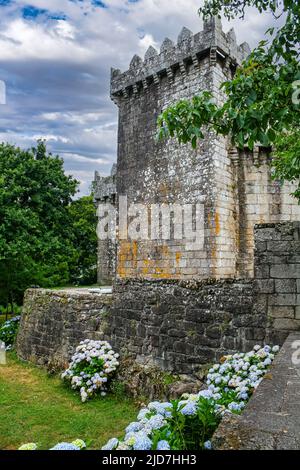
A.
pixel 69 292
pixel 271 420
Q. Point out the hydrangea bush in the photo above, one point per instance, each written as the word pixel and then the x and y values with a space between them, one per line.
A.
pixel 189 423
pixel 8 331
pixel 91 367
pixel 78 444
pixel 28 446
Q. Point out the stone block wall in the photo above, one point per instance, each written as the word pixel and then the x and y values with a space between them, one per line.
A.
pixel 236 188
pixel 54 322
pixel 176 325
pixel 258 200
pixel 105 192
pixel 277 277
pixel 181 325
pixel 151 172
pixel 156 173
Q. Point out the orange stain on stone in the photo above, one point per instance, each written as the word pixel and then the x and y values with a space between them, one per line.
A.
pixel 134 261
pixel 217 223
pixel 178 257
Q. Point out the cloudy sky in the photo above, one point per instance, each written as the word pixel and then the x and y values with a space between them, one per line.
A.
pixel 55 58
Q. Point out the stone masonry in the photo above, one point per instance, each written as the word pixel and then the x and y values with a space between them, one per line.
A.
pixel 277 277
pixel 105 192
pixel 182 324
pixel 176 325
pixel 55 321
pixel 236 188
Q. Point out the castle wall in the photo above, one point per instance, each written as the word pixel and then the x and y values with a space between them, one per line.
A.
pixel 151 172
pixel 177 325
pixel 277 277
pixel 106 264
pixel 235 188
pixel 105 192
pixel 55 321
pixel 258 200
pixel 180 326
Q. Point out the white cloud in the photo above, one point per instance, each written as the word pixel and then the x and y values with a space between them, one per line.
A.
pixel 57 72
pixel 51 138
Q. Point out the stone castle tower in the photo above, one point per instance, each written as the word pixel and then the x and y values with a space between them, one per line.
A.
pixel 235 187
pixel 174 306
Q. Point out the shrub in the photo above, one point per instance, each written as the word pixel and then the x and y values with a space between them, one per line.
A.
pixel 28 446
pixel 78 444
pixel 8 331
pixel 189 423
pixel 91 367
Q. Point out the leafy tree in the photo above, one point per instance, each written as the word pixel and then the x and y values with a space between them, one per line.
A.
pixel 84 221
pixel 35 222
pixel 286 161
pixel 262 100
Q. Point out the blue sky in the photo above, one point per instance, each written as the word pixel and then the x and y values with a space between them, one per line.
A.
pixel 55 58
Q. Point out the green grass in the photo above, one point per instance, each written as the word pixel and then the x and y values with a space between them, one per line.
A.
pixel 3 318
pixel 36 407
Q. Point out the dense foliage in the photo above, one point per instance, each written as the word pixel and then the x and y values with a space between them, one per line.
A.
pixel 286 161
pixel 44 235
pixel 189 423
pixel 91 367
pixel 84 237
pixel 8 331
pixel 262 101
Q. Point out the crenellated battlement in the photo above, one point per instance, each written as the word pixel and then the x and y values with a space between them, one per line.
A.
pixel 190 49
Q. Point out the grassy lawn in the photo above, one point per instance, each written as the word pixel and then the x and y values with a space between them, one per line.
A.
pixel 36 407
pixel 3 318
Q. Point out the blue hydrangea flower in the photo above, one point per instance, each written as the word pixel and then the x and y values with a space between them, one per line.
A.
pixel 267 362
pixel 156 422
pixel 64 446
pixel 133 427
pixel 207 445
pixel 206 394
pixel 163 445
pixel 236 374
pixel 189 409
pixel 160 408
pixel 142 442
pixel 142 414
pixel 217 396
pixel 233 406
pixel 111 444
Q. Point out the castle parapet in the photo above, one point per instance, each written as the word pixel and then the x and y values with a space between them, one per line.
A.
pixel 105 186
pixel 190 49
